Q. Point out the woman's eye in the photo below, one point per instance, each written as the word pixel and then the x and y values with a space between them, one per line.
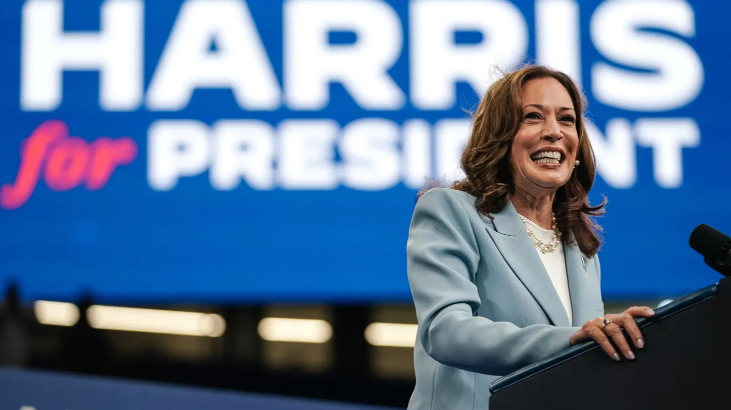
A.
pixel 568 118
pixel 533 116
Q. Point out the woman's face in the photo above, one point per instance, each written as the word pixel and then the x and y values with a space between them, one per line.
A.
pixel 544 149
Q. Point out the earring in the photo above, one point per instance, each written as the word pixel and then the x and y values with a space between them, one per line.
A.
pixel 577 163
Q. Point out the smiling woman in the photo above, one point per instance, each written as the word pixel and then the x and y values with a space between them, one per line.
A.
pixel 503 266
pixel 526 113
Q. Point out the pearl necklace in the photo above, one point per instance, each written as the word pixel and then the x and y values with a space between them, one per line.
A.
pixel 542 246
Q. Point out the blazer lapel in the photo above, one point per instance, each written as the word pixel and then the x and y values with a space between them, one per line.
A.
pixel 579 286
pixel 513 242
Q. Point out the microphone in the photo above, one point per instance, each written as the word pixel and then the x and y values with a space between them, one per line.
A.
pixel 714 246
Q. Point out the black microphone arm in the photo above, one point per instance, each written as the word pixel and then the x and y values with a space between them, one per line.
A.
pixel 715 247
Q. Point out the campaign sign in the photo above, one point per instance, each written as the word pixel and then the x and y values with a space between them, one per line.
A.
pixel 265 150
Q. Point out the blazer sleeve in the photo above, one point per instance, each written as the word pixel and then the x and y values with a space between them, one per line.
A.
pixel 443 256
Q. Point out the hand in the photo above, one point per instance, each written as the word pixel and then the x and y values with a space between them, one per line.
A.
pixel 593 330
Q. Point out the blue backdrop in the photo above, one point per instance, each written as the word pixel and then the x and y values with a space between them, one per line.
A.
pixel 263 150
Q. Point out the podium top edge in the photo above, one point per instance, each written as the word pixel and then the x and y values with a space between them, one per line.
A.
pixel 661 313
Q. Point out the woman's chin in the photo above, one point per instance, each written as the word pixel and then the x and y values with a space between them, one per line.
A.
pixel 550 178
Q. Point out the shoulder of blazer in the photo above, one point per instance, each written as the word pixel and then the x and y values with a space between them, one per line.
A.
pixel 450 206
pixel 504 222
pixel 447 198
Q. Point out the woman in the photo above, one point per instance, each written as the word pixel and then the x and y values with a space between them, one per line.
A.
pixel 503 267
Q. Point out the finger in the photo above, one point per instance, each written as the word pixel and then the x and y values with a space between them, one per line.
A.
pixel 601 338
pixel 629 324
pixel 643 311
pixel 615 333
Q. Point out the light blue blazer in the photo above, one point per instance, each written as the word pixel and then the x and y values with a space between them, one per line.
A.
pixel 485 304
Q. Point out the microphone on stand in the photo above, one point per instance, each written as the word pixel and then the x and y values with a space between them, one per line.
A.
pixel 715 247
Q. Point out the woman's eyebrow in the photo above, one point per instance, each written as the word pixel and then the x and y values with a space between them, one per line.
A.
pixel 540 107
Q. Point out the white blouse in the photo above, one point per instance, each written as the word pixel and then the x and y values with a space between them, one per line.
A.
pixel 555 264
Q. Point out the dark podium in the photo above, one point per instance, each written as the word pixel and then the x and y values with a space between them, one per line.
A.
pixel 686 364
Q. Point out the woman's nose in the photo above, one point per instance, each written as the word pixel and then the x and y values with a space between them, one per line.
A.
pixel 552 137
pixel 552 131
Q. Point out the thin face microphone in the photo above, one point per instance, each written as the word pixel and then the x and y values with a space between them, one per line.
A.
pixel 715 247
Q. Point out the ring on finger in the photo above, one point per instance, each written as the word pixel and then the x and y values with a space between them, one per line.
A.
pixel 605 322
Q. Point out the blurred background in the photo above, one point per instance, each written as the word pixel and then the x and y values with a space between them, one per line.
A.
pixel 218 193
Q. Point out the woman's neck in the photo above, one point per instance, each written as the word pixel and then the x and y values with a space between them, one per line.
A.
pixel 537 208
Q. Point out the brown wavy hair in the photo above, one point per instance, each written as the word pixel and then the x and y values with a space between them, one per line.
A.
pixel 486 158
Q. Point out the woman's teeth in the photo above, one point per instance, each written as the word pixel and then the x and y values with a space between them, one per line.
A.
pixel 547 161
pixel 546 157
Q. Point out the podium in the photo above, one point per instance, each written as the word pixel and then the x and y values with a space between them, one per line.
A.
pixel 685 364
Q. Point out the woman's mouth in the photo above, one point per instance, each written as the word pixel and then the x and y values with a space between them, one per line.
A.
pixel 548 157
